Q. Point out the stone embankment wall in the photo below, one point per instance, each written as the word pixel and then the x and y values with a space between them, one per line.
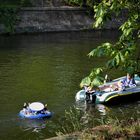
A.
pixel 52 19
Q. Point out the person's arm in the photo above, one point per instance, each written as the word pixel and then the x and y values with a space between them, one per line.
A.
pixel 85 88
pixel 132 83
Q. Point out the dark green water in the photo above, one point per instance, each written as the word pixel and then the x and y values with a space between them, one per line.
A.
pixel 46 68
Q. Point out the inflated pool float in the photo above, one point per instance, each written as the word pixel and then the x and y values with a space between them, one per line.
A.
pixel 106 95
pixel 35 110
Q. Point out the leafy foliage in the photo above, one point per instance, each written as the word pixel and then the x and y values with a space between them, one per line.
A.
pixel 74 2
pixel 94 79
pixel 8 13
pixel 123 53
pixel 8 17
pixel 25 3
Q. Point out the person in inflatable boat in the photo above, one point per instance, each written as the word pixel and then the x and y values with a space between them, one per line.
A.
pixel 128 81
pixel 26 108
pixel 89 91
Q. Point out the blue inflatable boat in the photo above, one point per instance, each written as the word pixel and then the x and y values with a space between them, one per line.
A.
pixel 35 110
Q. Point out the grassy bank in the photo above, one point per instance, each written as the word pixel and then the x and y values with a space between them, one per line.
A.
pixel 125 129
pixel 79 127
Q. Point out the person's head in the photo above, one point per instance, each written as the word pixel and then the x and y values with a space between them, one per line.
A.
pixel 89 88
pixel 129 76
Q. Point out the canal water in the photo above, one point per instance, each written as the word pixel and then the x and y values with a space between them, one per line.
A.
pixel 48 68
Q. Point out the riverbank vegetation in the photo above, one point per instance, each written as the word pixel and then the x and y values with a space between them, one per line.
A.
pixel 8 17
pixel 9 13
pixel 73 2
pixel 79 125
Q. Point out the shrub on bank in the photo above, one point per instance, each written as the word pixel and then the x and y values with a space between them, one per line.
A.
pixel 86 127
pixel 8 17
pixel 8 13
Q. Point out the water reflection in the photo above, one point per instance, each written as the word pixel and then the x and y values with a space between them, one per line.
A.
pixel 102 109
pixel 90 108
pixel 33 125
pixel 81 105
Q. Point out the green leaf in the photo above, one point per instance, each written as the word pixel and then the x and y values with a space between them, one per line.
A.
pixel 117 58
pixel 97 81
pixel 98 22
pixel 85 81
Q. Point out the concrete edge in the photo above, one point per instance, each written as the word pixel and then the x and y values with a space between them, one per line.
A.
pixel 62 8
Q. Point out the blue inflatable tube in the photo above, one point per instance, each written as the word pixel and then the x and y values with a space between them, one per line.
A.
pixel 22 114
